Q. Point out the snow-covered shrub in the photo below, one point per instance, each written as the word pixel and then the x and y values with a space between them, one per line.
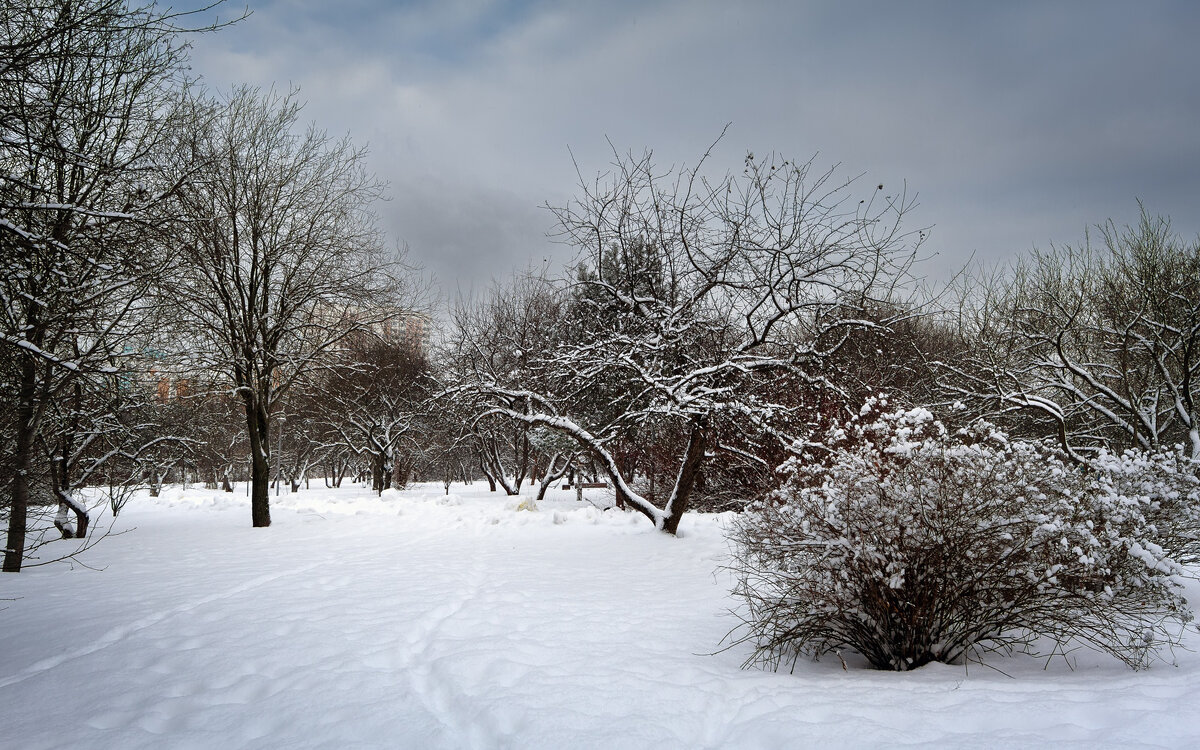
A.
pixel 910 545
pixel 1166 485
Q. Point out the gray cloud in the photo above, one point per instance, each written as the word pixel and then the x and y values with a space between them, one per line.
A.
pixel 1018 123
pixel 467 236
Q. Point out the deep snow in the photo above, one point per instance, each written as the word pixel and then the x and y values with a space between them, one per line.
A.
pixel 418 620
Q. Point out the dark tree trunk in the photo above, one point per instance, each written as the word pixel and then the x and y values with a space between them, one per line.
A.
pixel 622 499
pixel 535 467
pixel 18 508
pixel 553 473
pixel 260 463
pixel 400 471
pixel 491 480
pixel 60 476
pixel 520 463
pixel 494 466
pixel 377 471
pixel 688 474
pixel 334 473
pixel 68 502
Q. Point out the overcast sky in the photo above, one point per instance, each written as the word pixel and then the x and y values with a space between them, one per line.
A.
pixel 1017 123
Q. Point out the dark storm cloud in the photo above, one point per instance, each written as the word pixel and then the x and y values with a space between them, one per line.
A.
pixel 1018 123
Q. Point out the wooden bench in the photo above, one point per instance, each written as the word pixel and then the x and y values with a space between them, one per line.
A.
pixel 588 485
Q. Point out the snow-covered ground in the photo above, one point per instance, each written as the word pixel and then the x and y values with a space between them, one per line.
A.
pixel 418 620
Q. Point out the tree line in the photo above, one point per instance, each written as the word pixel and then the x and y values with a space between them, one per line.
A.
pixel 157 235
pixel 195 285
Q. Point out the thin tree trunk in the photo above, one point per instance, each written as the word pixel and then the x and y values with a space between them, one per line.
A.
pixel 495 466
pixel 19 505
pixel 68 502
pixel 60 479
pixel 491 480
pixel 377 469
pixel 553 473
pixel 521 457
pixel 260 464
pixel 400 471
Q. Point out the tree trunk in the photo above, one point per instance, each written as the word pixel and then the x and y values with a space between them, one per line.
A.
pixel 400 471
pixel 260 463
pixel 554 472
pixel 494 467
pixel 686 481
pixel 18 508
pixel 491 480
pixel 68 502
pixel 377 470
pixel 60 477
pixel 522 468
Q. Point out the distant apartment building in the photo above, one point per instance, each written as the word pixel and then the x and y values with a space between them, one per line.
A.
pixel 408 327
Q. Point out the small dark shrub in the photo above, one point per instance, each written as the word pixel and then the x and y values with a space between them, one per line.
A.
pixel 910 545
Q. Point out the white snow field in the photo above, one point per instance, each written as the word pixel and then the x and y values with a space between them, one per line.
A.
pixel 418 620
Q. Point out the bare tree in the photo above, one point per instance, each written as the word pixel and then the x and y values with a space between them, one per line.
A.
pixel 282 258
pixel 559 453
pixel 374 399
pixel 1097 346
pixel 86 101
pixel 504 339
pixel 690 294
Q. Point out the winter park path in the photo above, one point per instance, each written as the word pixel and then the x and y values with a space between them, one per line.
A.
pixel 419 621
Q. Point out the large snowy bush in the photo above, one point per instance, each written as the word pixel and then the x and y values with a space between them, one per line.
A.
pixel 1166 485
pixel 909 545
